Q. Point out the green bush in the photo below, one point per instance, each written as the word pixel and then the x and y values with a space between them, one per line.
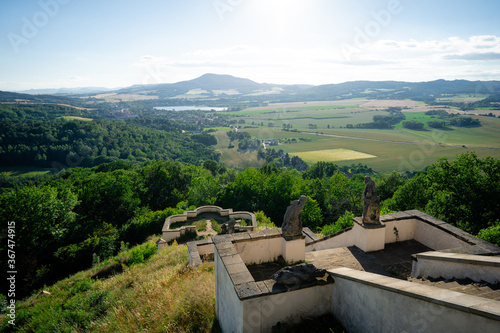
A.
pixel 146 224
pixel 345 221
pixel 311 215
pixel 141 253
pixel 263 221
pixel 491 234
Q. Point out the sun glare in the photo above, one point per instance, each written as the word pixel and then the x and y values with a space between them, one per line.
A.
pixel 281 15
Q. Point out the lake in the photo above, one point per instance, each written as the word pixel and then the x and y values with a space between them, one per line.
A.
pixel 188 108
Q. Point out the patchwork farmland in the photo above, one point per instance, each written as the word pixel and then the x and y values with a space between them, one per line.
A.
pixel 320 133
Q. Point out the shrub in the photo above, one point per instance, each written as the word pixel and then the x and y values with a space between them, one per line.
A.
pixel 311 215
pixel 263 221
pixel 141 253
pixel 491 234
pixel 345 221
pixel 146 224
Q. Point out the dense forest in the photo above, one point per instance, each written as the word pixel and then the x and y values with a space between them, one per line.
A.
pixel 43 136
pixel 67 221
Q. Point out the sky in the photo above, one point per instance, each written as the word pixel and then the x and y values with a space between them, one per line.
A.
pixel 111 43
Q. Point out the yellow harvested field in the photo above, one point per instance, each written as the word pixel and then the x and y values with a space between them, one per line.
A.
pixel 77 118
pixel 115 98
pixel 332 155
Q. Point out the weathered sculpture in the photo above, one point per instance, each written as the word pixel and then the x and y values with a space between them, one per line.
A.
pixel 371 209
pixel 292 277
pixel 228 227
pixel 292 224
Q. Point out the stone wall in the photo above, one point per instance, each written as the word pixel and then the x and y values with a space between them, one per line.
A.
pixel 366 302
pixel 458 266
pixel 413 224
pixel 246 305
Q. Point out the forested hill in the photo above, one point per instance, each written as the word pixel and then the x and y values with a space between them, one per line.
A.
pixel 87 143
pixel 45 135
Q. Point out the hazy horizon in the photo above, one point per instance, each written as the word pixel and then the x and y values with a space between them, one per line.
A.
pixel 52 44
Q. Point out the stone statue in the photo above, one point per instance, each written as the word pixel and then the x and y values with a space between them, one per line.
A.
pixel 228 227
pixel 371 209
pixel 292 225
pixel 292 277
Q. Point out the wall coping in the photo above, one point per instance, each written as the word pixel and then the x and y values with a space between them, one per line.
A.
pixel 244 284
pixel 206 209
pixel 460 258
pixel 467 303
pixel 476 246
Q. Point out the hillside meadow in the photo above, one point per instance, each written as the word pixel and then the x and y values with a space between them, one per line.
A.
pixel 158 294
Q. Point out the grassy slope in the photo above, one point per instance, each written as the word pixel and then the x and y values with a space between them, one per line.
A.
pixel 161 295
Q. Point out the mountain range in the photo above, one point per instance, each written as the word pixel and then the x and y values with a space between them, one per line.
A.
pixel 235 88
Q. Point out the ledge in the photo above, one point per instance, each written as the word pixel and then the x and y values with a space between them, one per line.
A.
pixel 478 246
pixel 244 284
pixel 190 214
pixel 359 221
pixel 467 303
pixel 460 258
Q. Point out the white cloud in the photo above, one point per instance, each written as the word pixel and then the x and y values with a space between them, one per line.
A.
pixel 406 60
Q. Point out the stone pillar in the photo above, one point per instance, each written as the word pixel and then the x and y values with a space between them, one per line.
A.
pixel 369 237
pixel 293 249
pixel 161 243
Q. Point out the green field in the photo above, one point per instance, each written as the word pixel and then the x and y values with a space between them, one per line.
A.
pixel 399 149
pixel 254 111
pixel 418 116
pixel 24 171
pixel 231 157
pixel 322 118
pixel 463 97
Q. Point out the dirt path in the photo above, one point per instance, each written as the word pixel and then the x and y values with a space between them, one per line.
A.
pixel 209 232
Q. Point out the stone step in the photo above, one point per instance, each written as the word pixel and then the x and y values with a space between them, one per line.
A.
pixel 464 286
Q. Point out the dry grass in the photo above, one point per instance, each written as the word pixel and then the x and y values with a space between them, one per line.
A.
pixel 163 294
pixel 115 98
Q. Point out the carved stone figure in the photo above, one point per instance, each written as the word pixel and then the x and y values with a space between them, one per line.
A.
pixel 292 224
pixel 371 209
pixel 228 227
pixel 292 277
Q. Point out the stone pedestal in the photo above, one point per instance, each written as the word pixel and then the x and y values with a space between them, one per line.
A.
pixel 161 243
pixel 294 249
pixel 369 237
